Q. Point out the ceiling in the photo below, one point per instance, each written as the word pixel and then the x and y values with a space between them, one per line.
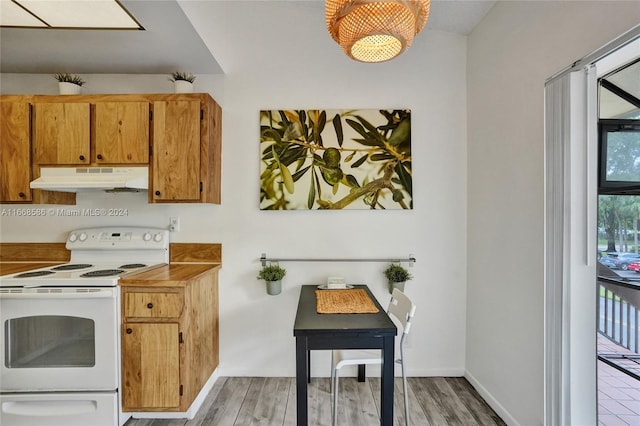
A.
pixel 160 48
pixel 620 94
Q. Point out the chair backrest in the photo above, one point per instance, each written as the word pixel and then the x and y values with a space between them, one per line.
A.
pixel 402 308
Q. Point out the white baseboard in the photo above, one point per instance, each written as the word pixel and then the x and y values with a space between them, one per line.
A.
pixel 436 372
pixel 493 403
pixel 190 413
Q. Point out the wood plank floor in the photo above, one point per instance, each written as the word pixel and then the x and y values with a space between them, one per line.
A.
pixel 248 401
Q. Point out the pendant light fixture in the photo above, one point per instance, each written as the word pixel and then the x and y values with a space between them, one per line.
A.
pixel 375 30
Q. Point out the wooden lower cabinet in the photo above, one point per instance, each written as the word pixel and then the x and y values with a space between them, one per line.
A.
pixel 152 365
pixel 169 342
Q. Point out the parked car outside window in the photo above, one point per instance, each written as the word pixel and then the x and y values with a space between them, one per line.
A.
pixel 607 261
pixel 634 266
pixel 624 259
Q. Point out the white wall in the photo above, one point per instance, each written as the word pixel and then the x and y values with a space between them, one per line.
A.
pixel 510 54
pixel 283 63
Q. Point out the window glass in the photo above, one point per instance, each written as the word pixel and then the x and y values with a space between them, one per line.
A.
pixel 49 341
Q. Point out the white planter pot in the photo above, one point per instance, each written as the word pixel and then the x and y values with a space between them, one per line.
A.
pixel 398 285
pixel 274 287
pixel 183 86
pixel 67 88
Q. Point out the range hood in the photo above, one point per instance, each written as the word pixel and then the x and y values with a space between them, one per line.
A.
pixel 74 179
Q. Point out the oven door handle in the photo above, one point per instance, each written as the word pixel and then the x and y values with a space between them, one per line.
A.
pixel 92 294
pixel 50 408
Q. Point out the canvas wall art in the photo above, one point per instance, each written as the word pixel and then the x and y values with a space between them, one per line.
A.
pixel 335 159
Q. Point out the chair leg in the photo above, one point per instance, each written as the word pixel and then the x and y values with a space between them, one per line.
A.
pixel 331 384
pixel 404 389
pixel 406 400
pixel 335 397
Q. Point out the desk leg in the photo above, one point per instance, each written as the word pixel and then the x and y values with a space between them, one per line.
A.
pixel 362 372
pixel 302 376
pixel 386 388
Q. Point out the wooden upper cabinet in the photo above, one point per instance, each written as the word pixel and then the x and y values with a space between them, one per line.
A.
pixel 15 152
pixel 186 155
pixel 61 133
pixel 121 133
pixel 176 151
pixel 179 137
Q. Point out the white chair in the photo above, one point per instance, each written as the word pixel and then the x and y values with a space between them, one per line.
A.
pixel 401 308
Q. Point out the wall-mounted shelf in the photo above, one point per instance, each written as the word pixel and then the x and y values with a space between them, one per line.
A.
pixel 264 259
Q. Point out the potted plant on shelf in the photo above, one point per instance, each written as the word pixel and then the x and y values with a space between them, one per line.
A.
pixel 183 82
pixel 69 84
pixel 397 276
pixel 272 275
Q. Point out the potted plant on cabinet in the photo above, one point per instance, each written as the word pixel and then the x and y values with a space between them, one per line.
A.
pixel 397 276
pixel 183 82
pixel 69 84
pixel 272 275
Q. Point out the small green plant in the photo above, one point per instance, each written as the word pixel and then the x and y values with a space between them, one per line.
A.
pixel 64 77
pixel 182 76
pixel 272 273
pixel 397 273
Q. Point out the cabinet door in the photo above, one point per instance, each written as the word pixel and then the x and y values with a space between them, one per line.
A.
pixel 122 132
pixel 150 366
pixel 15 151
pixel 176 151
pixel 61 133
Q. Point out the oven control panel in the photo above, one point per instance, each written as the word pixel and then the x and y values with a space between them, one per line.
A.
pixel 118 238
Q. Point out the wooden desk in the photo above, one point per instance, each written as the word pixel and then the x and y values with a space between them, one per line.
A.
pixel 315 331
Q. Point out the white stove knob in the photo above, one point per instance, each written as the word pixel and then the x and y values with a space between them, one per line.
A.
pixel 73 237
pixel 157 238
pixel 83 236
pixel 146 236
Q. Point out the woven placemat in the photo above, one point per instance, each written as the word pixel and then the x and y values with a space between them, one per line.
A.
pixel 355 301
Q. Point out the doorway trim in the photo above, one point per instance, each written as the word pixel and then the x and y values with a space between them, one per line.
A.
pixel 570 238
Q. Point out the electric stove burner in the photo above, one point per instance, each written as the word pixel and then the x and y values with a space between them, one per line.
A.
pixel 132 266
pixel 34 274
pixel 103 273
pixel 72 267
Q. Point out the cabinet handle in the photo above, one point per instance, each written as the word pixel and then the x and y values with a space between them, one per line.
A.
pixel 150 305
pixel 82 158
pixel 129 331
pixel 158 193
pixel 99 156
pixel 21 195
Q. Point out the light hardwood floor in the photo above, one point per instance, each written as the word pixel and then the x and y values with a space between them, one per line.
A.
pixel 247 401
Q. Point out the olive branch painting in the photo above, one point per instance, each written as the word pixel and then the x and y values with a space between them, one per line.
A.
pixel 335 159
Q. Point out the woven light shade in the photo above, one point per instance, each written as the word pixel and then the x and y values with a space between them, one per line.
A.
pixel 375 30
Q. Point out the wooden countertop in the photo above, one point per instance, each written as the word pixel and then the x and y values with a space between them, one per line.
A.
pixel 8 268
pixel 186 261
pixel 172 275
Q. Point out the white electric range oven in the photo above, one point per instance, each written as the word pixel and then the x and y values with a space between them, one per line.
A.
pixel 60 329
